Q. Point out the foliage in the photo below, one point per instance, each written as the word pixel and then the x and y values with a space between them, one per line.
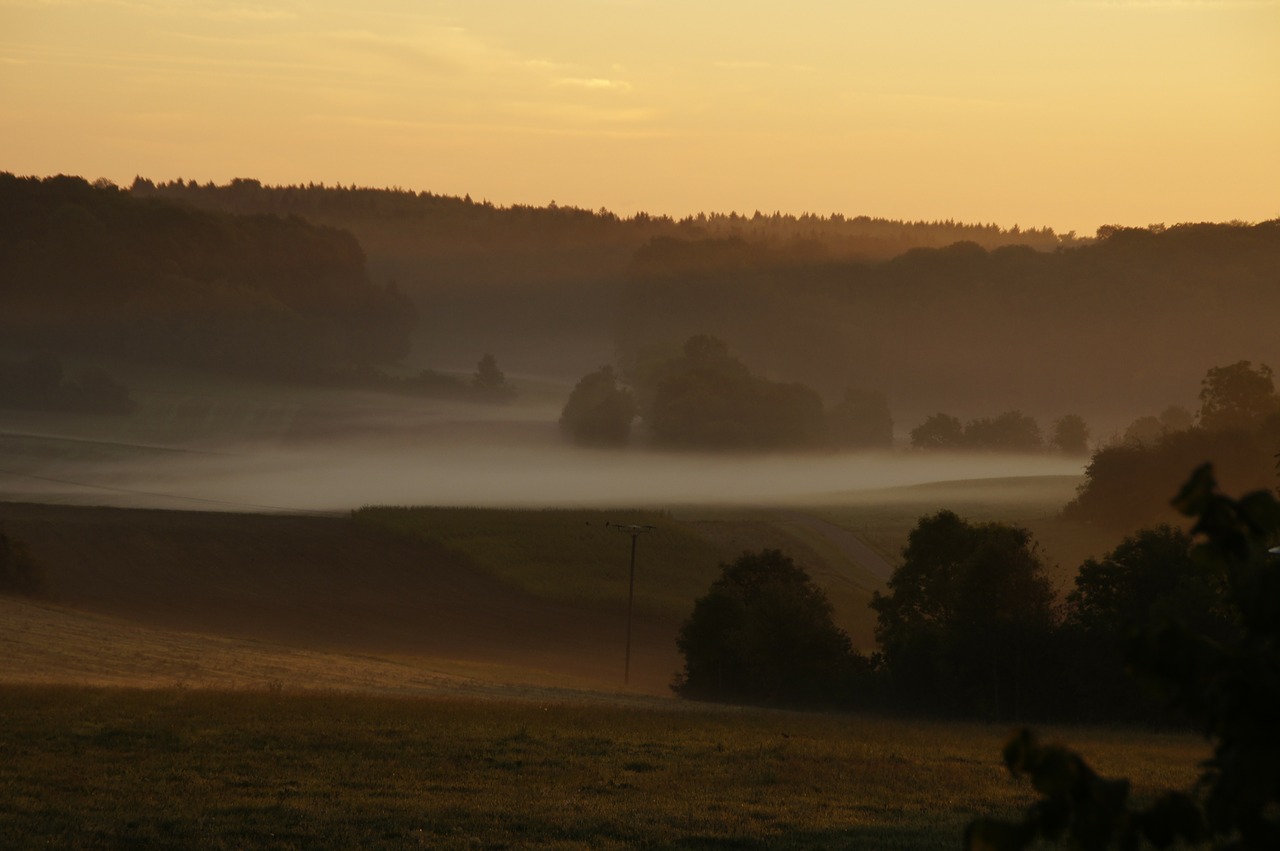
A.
pixel 1071 435
pixel 1237 396
pixel 861 420
pixel 1144 431
pixel 940 431
pixel 1012 431
pixel 763 634
pixel 1149 580
pixel 487 375
pixel 708 399
pixel 1231 690
pixel 967 619
pixel 38 383
pixel 1126 486
pixel 19 573
pixel 598 412
pixel 96 269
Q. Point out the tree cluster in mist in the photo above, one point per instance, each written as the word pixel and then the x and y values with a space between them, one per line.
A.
pixel 705 398
pixel 92 268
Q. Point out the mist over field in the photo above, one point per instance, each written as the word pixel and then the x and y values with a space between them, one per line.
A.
pixel 514 460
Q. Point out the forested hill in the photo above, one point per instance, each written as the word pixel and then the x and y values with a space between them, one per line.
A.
pixel 94 268
pixel 1122 326
pixel 539 286
pixel 452 223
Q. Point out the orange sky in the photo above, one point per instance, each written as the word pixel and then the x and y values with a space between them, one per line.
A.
pixel 1066 113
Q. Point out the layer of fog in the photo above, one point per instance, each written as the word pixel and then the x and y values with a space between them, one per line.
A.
pixel 343 474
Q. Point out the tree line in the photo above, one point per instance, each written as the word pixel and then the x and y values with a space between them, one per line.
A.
pixel 970 624
pixel 496 226
pixel 705 398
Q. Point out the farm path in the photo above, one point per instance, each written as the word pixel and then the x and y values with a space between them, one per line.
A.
pixel 847 542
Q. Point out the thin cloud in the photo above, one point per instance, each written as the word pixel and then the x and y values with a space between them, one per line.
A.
pixel 595 84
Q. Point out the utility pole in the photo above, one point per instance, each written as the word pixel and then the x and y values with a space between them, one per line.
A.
pixel 635 532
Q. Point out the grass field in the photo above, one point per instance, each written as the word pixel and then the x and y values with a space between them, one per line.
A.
pixel 451 677
pixel 90 768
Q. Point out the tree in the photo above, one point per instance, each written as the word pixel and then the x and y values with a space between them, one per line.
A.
pixel 1013 431
pixel 861 420
pixel 966 618
pixel 487 375
pixel 940 431
pixel 1229 689
pixel 599 412
pixel 1127 486
pixel 1071 435
pixel 708 399
pixel 1238 396
pixel 1149 579
pixel 764 634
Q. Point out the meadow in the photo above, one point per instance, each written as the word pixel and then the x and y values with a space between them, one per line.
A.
pixel 89 768
pixel 450 676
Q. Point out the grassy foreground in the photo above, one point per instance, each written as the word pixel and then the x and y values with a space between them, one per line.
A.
pixel 94 768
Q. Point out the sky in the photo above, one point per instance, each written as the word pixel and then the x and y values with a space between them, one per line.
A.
pixel 1069 114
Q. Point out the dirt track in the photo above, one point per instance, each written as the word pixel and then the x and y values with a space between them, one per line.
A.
pixel 324 584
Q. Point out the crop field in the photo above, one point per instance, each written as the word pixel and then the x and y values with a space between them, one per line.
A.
pixel 92 768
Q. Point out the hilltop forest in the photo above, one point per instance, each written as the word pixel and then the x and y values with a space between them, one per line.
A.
pixel 935 315
pixel 930 316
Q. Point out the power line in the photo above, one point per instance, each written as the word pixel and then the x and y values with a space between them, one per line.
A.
pixel 635 531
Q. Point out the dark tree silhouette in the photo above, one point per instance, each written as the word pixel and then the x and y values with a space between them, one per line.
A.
pixel 764 634
pixel 1238 396
pixel 967 617
pixel 940 431
pixel 1149 580
pixel 1228 688
pixel 1011 431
